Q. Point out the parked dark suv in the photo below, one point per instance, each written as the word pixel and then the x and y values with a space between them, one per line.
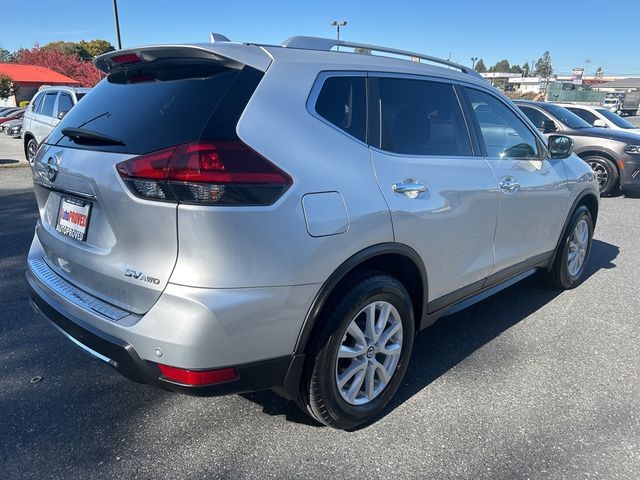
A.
pixel 613 155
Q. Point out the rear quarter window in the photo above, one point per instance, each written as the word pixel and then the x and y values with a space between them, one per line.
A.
pixel 342 102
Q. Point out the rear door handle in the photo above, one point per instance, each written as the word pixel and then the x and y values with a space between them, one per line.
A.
pixel 409 187
pixel 509 184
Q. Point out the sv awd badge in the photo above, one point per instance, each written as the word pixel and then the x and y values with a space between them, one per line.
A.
pixel 131 273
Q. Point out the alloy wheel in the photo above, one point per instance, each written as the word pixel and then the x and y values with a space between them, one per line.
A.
pixel 578 244
pixel 601 173
pixel 369 353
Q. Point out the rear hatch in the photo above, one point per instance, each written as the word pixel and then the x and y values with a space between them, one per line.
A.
pixel 113 239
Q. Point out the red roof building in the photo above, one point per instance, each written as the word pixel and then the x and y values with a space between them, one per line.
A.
pixel 28 78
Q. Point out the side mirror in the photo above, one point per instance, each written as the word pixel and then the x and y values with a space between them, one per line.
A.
pixel 549 126
pixel 560 146
pixel 61 115
pixel 600 123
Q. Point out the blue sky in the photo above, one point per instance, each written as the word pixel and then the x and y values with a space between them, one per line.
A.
pixel 492 30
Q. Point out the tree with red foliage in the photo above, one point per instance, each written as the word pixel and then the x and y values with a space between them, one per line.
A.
pixel 61 62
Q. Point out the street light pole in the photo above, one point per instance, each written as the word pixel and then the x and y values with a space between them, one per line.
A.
pixel 337 24
pixel 473 62
pixel 115 14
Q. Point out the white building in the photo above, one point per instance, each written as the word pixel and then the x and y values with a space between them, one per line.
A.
pixel 527 84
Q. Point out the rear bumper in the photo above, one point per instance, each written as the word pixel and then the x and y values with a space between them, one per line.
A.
pixel 280 374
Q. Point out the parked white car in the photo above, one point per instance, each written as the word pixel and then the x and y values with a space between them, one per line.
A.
pixel 601 117
pixel 44 112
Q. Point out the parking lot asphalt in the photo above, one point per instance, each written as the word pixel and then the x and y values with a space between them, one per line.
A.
pixel 11 152
pixel 531 383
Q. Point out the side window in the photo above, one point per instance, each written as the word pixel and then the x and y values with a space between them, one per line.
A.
pixel 47 104
pixel 586 115
pixel 35 104
pixel 504 134
pixel 64 103
pixel 421 118
pixel 537 118
pixel 342 102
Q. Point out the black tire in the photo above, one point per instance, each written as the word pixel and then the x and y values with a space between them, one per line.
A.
pixel 30 149
pixel 319 393
pixel 605 169
pixel 559 275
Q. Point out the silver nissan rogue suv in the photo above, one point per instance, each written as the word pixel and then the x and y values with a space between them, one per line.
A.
pixel 229 217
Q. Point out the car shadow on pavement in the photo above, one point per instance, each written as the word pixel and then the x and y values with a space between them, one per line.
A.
pixel 451 339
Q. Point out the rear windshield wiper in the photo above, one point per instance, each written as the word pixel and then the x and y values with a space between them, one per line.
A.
pixel 88 137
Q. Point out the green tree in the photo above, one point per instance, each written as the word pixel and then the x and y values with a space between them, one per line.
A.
pixel 501 66
pixel 480 66
pixel 86 50
pixel 526 69
pixel 95 48
pixel 363 51
pixel 7 88
pixel 543 65
pixel 70 48
pixel 515 69
pixel 599 72
pixel 6 55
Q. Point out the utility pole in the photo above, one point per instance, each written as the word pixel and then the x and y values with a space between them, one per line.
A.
pixel 115 14
pixel 336 24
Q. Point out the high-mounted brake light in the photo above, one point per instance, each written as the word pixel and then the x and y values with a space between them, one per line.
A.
pixel 225 172
pixel 126 58
pixel 197 377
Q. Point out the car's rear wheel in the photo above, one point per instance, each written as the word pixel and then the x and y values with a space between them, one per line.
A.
pixel 568 269
pixel 361 353
pixel 606 172
pixel 32 148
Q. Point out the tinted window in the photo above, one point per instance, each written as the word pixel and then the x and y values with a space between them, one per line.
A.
pixel 35 104
pixel 586 115
pixel 64 103
pixel 505 135
pixel 157 105
pixel 421 118
pixel 570 119
pixel 342 102
pixel 536 116
pixel 47 104
pixel 617 120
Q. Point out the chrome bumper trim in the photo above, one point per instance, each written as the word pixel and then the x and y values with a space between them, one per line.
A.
pixel 76 296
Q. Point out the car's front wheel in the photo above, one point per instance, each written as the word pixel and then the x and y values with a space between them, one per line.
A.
pixel 568 269
pixel 361 353
pixel 32 148
pixel 606 172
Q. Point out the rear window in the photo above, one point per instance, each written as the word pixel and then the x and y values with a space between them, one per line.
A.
pixel 159 105
pixel 421 118
pixel 47 104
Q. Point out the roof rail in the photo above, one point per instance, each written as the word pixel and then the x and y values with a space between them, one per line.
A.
pixel 326 44
pixel 217 37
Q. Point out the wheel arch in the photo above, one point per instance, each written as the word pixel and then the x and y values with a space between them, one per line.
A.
pixel 586 198
pixel 600 153
pixel 395 259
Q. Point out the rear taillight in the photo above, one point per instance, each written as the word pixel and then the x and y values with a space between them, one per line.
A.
pixel 225 172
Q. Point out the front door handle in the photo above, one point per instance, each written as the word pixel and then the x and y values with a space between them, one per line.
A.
pixel 409 187
pixel 509 184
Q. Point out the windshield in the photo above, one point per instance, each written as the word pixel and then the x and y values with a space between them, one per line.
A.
pixel 617 120
pixel 570 119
